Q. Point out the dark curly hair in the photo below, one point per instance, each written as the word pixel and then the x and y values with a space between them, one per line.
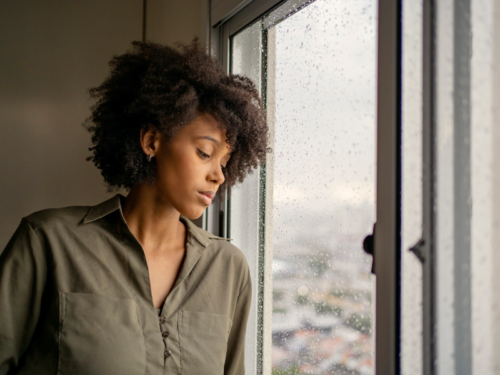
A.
pixel 169 88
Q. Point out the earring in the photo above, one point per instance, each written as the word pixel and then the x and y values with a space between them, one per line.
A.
pixel 149 157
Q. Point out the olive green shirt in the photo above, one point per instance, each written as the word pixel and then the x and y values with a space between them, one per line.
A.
pixel 75 298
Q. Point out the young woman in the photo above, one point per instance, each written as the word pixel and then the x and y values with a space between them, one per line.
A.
pixel 131 285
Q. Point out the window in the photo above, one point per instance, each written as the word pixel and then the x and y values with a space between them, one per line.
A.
pixel 379 111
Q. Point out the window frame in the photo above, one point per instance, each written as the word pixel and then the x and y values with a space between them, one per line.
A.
pixel 387 254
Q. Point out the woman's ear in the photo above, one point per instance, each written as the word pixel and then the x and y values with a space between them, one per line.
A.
pixel 149 138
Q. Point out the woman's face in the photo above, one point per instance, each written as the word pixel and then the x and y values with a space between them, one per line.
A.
pixel 190 165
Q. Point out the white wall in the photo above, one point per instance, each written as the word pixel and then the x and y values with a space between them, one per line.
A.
pixel 168 22
pixel 53 51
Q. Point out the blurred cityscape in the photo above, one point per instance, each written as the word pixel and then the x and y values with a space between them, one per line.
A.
pixel 323 296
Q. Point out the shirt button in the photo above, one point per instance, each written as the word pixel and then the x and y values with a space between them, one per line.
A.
pixel 163 320
pixel 165 334
pixel 168 353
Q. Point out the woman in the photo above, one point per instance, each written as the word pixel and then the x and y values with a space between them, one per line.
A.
pixel 131 285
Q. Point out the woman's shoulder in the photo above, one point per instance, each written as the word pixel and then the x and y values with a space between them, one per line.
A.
pixel 56 217
pixel 230 258
pixel 224 249
pixel 225 244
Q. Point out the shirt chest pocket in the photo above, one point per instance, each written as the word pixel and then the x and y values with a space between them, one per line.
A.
pixel 99 335
pixel 203 342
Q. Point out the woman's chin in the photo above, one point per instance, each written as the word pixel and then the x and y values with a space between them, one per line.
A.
pixel 194 214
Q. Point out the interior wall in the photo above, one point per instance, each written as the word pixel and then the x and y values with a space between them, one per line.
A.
pixel 53 51
pixel 168 22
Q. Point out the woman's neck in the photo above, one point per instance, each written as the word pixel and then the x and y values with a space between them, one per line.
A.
pixel 153 221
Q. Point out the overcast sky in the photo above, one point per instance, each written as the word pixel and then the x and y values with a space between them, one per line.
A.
pixel 325 108
pixel 325 111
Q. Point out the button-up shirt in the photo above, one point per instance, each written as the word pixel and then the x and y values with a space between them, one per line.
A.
pixel 75 298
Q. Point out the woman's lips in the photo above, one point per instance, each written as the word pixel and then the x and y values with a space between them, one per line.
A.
pixel 206 199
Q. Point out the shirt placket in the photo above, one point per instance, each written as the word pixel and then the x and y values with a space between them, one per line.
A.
pixel 164 334
pixel 168 321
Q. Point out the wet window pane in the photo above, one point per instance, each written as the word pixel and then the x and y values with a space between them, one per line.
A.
pixel 320 93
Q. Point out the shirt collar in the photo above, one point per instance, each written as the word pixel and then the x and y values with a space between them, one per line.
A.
pixel 114 203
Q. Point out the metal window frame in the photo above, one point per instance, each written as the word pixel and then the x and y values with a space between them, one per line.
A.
pixel 388 238
pixel 388 229
pixel 428 257
pixel 426 248
pixel 462 49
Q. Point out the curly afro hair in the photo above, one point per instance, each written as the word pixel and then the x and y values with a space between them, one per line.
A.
pixel 169 88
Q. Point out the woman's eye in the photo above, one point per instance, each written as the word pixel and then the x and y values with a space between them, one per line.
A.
pixel 207 156
pixel 203 154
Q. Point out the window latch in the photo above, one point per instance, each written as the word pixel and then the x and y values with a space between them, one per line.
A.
pixel 369 247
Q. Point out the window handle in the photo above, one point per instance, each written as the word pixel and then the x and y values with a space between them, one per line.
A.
pixel 369 247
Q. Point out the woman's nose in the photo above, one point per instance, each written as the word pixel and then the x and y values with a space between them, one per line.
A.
pixel 217 175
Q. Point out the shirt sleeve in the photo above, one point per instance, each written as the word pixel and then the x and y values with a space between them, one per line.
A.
pixel 23 273
pixel 235 356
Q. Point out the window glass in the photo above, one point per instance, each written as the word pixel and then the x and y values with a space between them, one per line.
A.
pixel 319 197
